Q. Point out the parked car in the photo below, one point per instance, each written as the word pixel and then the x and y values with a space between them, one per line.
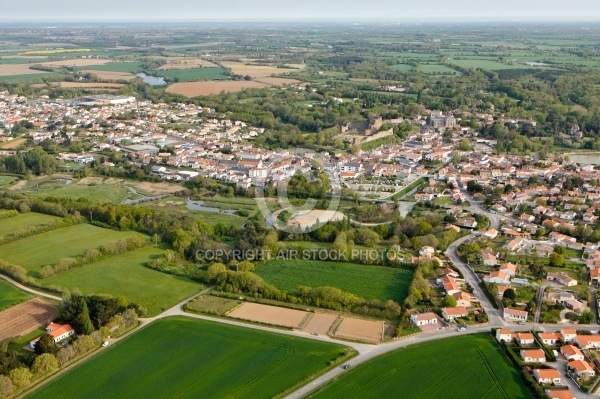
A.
pixel 105 343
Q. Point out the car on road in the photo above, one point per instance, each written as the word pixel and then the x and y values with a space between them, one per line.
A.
pixel 522 322
pixel 346 366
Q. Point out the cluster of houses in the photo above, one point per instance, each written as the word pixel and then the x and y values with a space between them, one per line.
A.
pixel 571 346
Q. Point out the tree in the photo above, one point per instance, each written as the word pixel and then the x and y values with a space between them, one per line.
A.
pixel 509 294
pixel 45 345
pixel 44 364
pixel 82 323
pixel 556 260
pixel 20 377
pixel 6 387
pixel 449 301
pixel 586 317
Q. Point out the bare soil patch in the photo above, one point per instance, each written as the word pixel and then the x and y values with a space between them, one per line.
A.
pixel 255 71
pixel 17 69
pixel 188 63
pixel 83 85
pixel 25 317
pixel 110 75
pixel 309 218
pixel 320 323
pixel 77 62
pixel 269 315
pixel 193 89
pixel 361 330
pixel 13 144
pixel 278 81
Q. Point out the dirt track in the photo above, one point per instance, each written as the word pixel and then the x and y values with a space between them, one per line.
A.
pixel 25 317
pixel 362 330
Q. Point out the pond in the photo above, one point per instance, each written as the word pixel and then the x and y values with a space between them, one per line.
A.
pixel 592 158
pixel 152 80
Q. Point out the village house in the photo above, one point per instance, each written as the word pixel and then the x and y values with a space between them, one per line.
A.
pixel 561 278
pixel 568 334
pixel 504 334
pixel 449 314
pixel 547 376
pixel 587 341
pixel 559 394
pixel 571 352
pixel 421 319
pixel 57 331
pixel 489 260
pixel 497 277
pixel 581 369
pixel 515 314
pixel 526 338
pixel 549 338
pixel 532 355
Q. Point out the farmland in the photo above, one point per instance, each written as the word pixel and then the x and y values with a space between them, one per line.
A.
pixel 471 367
pixel 193 89
pixel 10 296
pixel 383 282
pixel 201 356
pixel 25 317
pixel 126 275
pixel 191 74
pixel 47 248
pixel 23 221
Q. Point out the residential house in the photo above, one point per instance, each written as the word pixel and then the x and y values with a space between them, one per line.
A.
pixel 452 313
pixel 491 234
pixel 549 338
pixel 57 331
pixel 421 319
pixel 489 260
pixel 547 376
pixel 533 355
pixel 587 341
pixel 515 314
pixel 568 334
pixel 581 369
pixel 427 252
pixel 526 338
pixel 504 334
pixel 561 278
pixel 497 277
pixel 559 394
pixel 509 269
pixel 571 352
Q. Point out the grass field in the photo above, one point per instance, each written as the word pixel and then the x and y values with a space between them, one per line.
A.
pixel 191 74
pixel 126 275
pixel 436 68
pixel 23 221
pixel 102 192
pixel 47 248
pixel 6 180
pixel 369 282
pixel 10 296
pixel 470 366
pixel 187 358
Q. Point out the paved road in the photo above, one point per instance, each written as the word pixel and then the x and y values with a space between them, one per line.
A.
pixel 30 290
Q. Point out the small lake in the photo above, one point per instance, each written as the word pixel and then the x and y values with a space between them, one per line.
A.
pixel 152 80
pixel 592 158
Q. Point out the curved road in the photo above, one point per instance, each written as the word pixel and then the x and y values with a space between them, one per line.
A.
pixel 30 290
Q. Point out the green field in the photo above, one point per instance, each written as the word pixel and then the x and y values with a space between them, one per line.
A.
pixel 99 192
pixel 47 248
pixel 6 180
pixel 369 282
pixel 436 68
pixel 470 366
pixel 186 358
pixel 10 296
pixel 23 221
pixel 402 67
pixel 192 74
pixel 126 275
pixel 489 64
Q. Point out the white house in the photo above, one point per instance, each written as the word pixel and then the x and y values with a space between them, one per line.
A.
pixel 547 376
pixel 571 352
pixel 514 314
pixel 57 331
pixel 503 334
pixel 561 278
pixel 452 313
pixel 533 355
pixel 421 319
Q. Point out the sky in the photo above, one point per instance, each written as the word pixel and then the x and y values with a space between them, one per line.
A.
pixel 300 10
